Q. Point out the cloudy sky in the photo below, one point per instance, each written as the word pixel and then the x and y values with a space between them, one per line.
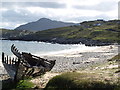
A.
pixel 16 12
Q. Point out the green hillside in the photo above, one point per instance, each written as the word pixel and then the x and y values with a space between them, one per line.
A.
pixel 105 31
pixel 7 34
pixel 97 31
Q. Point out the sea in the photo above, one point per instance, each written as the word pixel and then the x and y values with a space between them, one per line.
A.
pixel 38 48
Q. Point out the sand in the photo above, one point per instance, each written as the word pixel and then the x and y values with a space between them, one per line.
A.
pixel 78 58
pixel 79 61
pixel 74 60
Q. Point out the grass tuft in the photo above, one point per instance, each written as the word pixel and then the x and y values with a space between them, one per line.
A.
pixel 81 81
pixel 21 85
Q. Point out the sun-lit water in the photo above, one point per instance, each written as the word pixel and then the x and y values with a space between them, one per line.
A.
pixel 36 47
pixel 39 48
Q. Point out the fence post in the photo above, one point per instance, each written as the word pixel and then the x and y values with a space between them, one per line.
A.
pixel 15 61
pixel 7 59
pixel 3 55
pixel 17 67
pixel 10 60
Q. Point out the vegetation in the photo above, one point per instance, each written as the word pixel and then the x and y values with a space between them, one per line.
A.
pixel 81 81
pixel 101 78
pixel 115 58
pixel 104 31
pixel 7 34
pixel 21 85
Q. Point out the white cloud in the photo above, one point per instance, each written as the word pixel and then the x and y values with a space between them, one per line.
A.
pixel 16 13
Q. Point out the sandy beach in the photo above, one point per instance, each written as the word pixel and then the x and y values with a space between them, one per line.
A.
pixel 80 61
pixel 78 58
pixel 73 60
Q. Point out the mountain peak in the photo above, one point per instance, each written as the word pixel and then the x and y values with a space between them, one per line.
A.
pixel 44 19
pixel 43 24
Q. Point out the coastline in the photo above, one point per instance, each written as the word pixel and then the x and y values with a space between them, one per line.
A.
pixel 74 59
pixel 86 61
pixel 79 59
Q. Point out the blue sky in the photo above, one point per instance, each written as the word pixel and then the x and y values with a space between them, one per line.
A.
pixel 18 12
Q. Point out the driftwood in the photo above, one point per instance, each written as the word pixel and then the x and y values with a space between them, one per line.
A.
pixel 28 64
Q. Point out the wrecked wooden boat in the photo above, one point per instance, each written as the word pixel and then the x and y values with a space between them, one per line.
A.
pixel 26 64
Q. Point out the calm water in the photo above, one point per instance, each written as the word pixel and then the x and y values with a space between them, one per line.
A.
pixel 37 48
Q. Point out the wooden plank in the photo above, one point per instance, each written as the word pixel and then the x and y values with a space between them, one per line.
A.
pixel 10 71
pixel 17 68
pixel 10 60
pixel 3 55
pixel 7 59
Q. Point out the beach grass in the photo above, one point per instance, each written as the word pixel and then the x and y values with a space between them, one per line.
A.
pixel 81 81
pixel 97 79
pixel 20 85
pixel 115 58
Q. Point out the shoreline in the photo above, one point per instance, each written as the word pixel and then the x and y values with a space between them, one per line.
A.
pixel 83 63
pixel 88 42
pixel 77 59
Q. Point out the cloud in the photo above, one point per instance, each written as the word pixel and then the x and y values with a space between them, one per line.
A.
pixel 16 16
pixel 103 6
pixel 34 4
pixel 119 10
pixel 88 18
pixel 16 13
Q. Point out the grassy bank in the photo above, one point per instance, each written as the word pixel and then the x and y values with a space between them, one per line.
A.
pixel 100 77
pixel 81 81
pixel 103 31
pixel 21 85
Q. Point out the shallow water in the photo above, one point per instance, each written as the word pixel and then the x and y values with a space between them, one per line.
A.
pixel 39 48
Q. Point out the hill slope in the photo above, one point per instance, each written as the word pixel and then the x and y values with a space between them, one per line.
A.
pixel 89 33
pixel 43 24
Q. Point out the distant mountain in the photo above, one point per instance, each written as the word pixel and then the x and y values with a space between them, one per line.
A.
pixel 88 32
pixel 43 24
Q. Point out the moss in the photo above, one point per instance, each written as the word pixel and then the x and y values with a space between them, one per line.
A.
pixel 106 32
pixel 20 85
pixel 24 84
pixel 81 81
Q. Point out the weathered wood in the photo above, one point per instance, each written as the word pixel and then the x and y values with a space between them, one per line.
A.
pixel 13 61
pixel 3 56
pixel 7 59
pixel 17 67
pixel 26 64
pixel 10 61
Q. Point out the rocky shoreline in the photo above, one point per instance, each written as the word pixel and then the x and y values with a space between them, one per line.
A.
pixel 76 60
pixel 81 60
pixel 87 42
pixel 90 61
pixel 73 61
